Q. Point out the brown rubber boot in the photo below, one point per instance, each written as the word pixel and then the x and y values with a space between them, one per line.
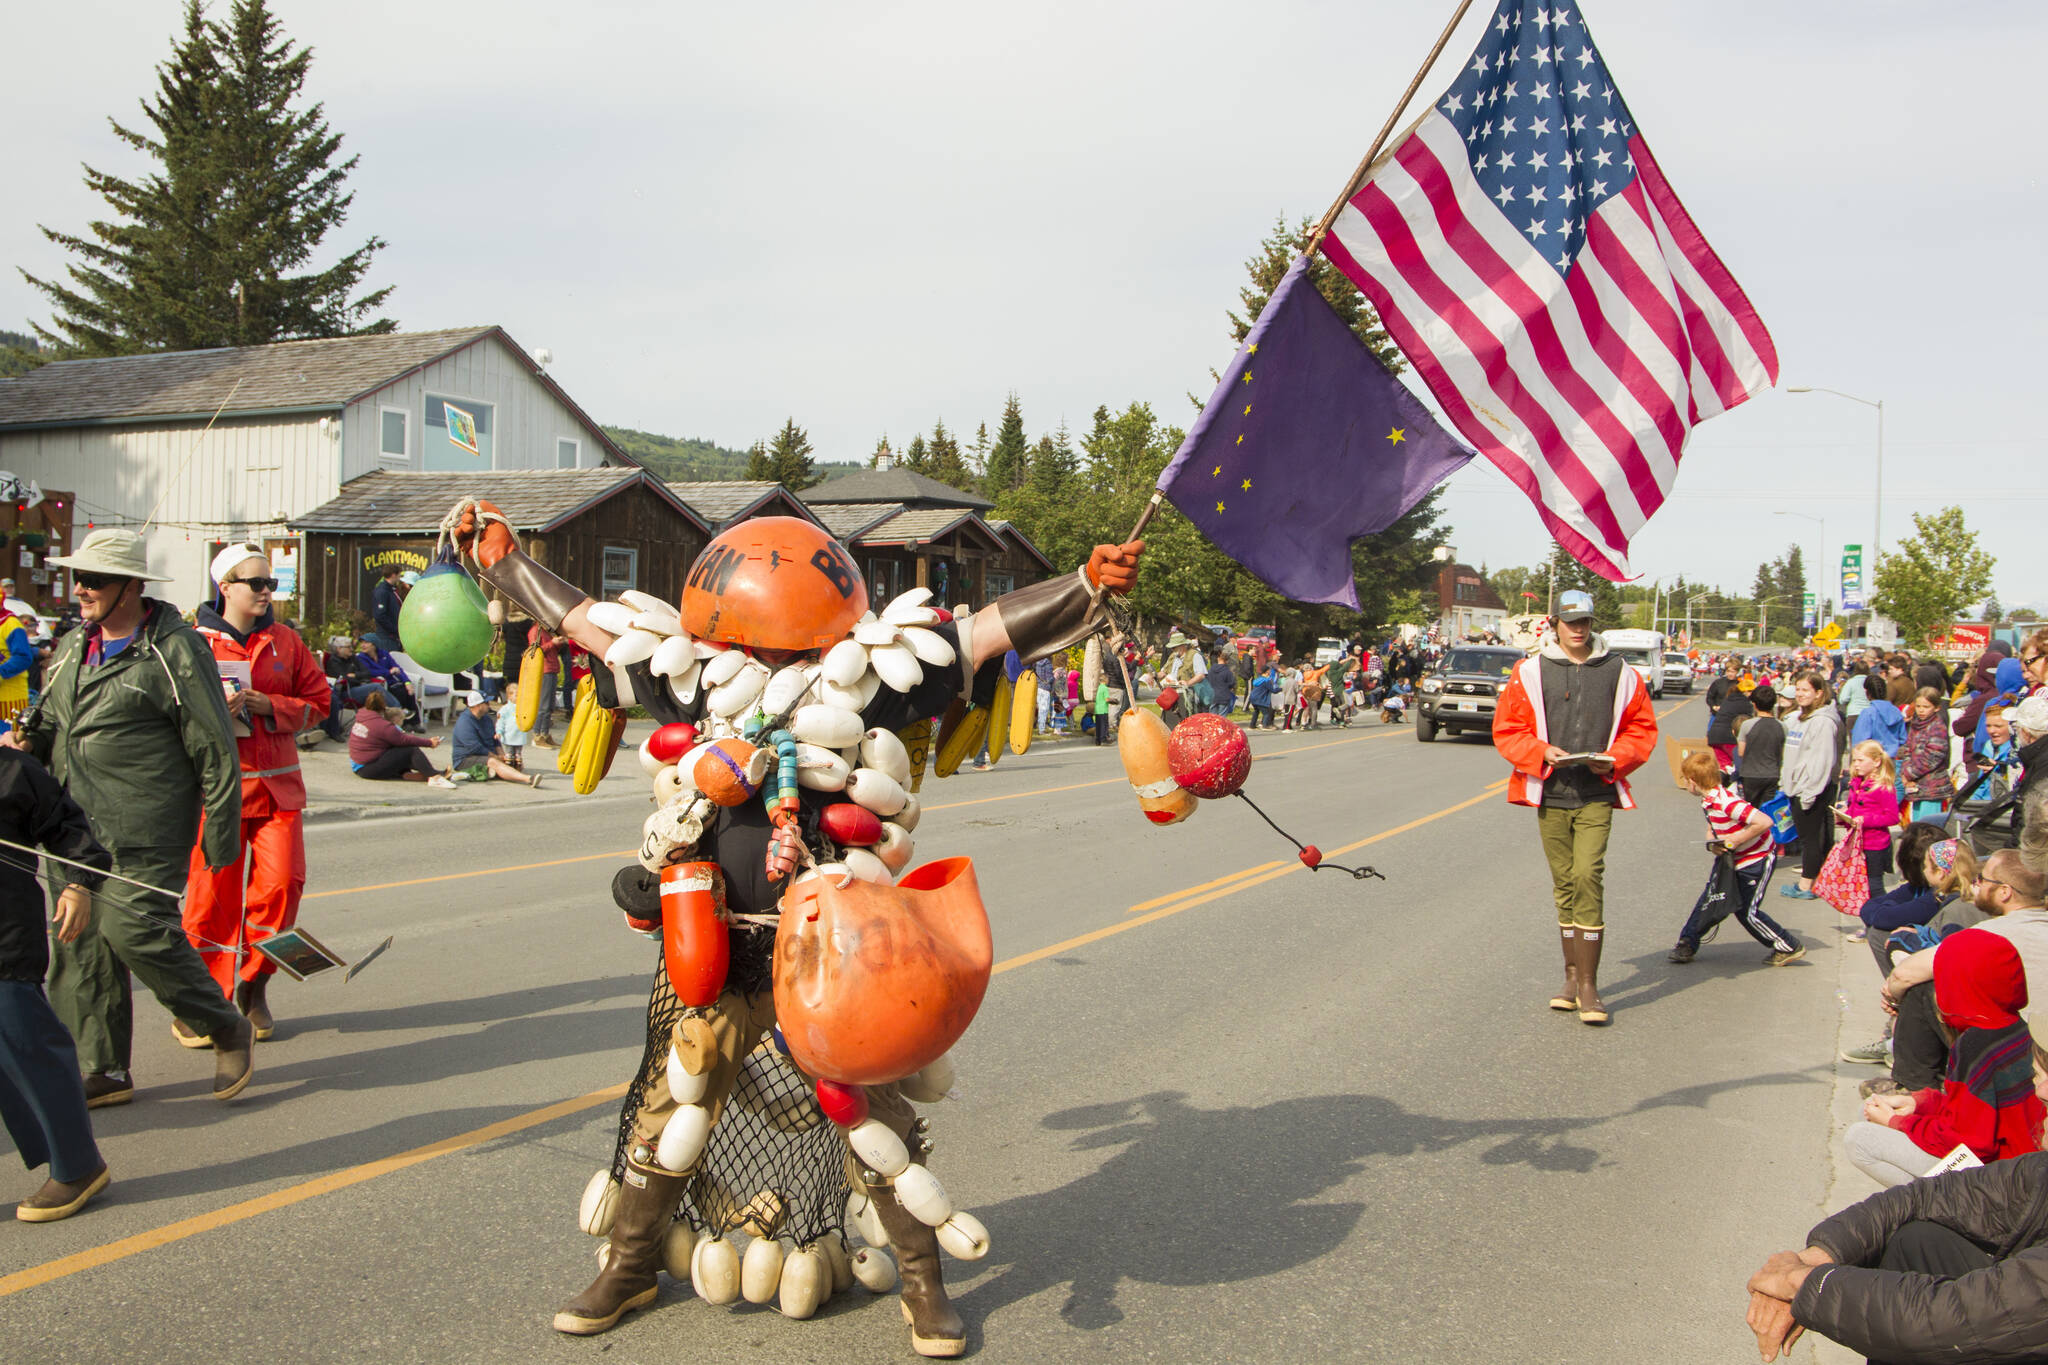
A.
pixel 935 1328
pixel 1568 998
pixel 249 1000
pixel 1591 1010
pixel 647 1202
pixel 234 1059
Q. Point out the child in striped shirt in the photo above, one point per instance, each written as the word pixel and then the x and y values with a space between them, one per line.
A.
pixel 1744 856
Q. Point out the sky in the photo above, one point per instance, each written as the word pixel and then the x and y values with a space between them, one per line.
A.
pixel 869 218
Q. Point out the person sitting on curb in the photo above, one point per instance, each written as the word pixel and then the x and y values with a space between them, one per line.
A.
pixel 478 755
pixel 1949 1268
pixel 1986 1102
pixel 42 1099
pixel 380 751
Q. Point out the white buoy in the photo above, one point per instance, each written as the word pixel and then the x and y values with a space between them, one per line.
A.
pixel 839 1262
pixel 604 1256
pixel 672 657
pixel 724 667
pixel 912 811
pixel 786 688
pixel 677 1245
pixel 867 867
pixel 820 769
pixel 896 849
pixel 631 648
pixel 682 1086
pixel 897 665
pixel 929 646
pixel 878 1147
pixel 876 790
pixel 805 1276
pixel 882 751
pixel 646 601
pixel 683 1139
pixel 715 1270
pixel 863 1218
pixel 737 693
pixel 918 1190
pixel 872 633
pixel 761 1270
pixel 600 1201
pixel 875 1269
pixel 613 618
pixel 663 623
pixel 685 685
pixel 847 697
pixel 844 663
pixel 828 727
pixel 963 1236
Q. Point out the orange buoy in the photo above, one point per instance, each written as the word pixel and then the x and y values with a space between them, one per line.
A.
pixel 1141 742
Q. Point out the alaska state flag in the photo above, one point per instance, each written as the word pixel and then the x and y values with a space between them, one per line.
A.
pixel 1305 446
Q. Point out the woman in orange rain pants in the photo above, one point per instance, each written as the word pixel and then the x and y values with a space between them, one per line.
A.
pixel 284 692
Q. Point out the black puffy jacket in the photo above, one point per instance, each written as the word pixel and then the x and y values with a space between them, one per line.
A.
pixel 1996 1314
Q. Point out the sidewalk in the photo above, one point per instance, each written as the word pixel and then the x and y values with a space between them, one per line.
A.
pixel 334 792
pixel 1861 1020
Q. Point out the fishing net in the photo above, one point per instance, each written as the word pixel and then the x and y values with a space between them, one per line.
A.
pixel 774 1166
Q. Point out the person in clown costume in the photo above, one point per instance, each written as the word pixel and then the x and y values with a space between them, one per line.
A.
pixel 776 615
pixel 256 895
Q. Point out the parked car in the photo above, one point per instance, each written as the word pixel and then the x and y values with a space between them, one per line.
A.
pixel 1458 695
pixel 1258 641
pixel 1677 673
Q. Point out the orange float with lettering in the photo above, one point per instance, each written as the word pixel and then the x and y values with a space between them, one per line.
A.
pixel 1141 742
pixel 874 982
pixel 694 943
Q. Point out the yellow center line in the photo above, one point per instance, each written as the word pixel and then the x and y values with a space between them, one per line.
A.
pixel 125 1247
pixel 1189 891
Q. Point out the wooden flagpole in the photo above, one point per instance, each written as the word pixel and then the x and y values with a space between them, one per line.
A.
pixel 1358 176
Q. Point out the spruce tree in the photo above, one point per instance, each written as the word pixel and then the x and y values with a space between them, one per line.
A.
pixel 760 464
pixel 203 251
pixel 1009 459
pixel 790 454
pixel 917 457
pixel 1276 254
pixel 945 463
pixel 977 454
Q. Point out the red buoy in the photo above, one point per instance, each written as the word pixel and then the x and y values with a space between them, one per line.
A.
pixel 1210 756
pixel 1311 855
pixel 671 741
pixel 844 1104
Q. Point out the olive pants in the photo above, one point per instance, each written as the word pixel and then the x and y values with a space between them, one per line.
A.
pixel 1575 845
pixel 737 1022
pixel 132 931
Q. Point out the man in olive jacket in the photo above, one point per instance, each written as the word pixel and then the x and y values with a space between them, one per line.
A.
pixel 1953 1268
pixel 133 723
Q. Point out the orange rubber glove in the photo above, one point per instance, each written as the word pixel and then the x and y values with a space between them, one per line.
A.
pixel 1114 568
pixel 493 542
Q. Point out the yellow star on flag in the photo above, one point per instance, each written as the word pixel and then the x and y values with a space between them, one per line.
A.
pixel 1397 435
pixel 1247 376
pixel 1247 485
pixel 1216 472
pixel 1247 409
pixel 1240 440
pixel 1253 349
pixel 1219 507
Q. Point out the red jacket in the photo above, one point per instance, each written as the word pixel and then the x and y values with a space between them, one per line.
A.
pixel 1519 732
pixel 284 670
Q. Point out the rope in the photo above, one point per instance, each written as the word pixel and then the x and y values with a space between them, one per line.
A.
pixel 1361 873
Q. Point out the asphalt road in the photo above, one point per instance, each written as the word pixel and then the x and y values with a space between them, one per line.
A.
pixel 1281 1116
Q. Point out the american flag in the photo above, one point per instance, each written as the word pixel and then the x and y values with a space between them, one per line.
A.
pixel 1534 265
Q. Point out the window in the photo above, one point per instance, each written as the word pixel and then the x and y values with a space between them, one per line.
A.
pixel 392 445
pixel 457 433
pixel 568 453
pixel 621 569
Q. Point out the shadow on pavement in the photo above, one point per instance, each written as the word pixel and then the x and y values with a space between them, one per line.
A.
pixel 1216 1196
pixel 1652 977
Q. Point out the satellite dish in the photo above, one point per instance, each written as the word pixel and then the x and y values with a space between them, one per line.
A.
pixel 543 357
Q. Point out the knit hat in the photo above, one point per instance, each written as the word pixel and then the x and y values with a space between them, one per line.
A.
pixel 2032 714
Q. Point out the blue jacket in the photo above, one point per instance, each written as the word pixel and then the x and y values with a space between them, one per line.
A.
pixel 476 738
pixel 384 608
pixel 1901 907
pixel 1882 722
pixel 1261 693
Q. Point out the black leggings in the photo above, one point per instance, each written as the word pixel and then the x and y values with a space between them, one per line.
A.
pixel 397 761
pixel 1816 826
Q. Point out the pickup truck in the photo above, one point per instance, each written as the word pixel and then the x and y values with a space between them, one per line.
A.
pixel 1459 694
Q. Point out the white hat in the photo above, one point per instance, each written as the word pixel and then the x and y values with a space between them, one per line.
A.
pixel 2031 715
pixel 111 550
pixel 473 698
pixel 228 559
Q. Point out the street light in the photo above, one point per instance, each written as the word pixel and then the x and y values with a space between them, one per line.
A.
pixel 1821 568
pixel 1877 516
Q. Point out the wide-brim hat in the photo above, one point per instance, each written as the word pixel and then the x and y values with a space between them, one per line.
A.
pixel 1176 640
pixel 113 551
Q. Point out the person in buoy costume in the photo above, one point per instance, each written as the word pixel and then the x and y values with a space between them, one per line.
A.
pixel 788 599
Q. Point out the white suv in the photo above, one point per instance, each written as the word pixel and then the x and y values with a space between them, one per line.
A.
pixel 1677 673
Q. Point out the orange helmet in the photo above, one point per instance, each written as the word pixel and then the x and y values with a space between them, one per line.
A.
pixel 774 583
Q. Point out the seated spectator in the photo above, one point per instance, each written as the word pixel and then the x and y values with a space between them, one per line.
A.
pixel 385 669
pixel 351 672
pixel 1914 901
pixel 478 755
pixel 1943 1269
pixel 1986 1102
pixel 380 751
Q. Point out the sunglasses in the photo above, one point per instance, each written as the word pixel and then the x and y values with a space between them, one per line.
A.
pixel 97 582
pixel 1992 881
pixel 254 584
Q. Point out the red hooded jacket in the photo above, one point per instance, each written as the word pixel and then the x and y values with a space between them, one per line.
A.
pixel 1986 1101
pixel 284 670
